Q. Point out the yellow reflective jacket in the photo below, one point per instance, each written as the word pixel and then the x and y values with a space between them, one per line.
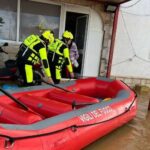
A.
pixel 59 54
pixel 32 51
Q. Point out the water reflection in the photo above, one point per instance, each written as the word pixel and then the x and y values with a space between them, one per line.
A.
pixel 133 136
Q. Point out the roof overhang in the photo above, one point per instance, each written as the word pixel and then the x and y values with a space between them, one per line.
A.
pixel 110 5
pixel 114 2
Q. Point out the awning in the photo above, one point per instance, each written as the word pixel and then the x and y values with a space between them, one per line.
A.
pixel 115 2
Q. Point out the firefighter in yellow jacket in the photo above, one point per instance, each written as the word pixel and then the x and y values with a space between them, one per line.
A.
pixel 31 52
pixel 58 55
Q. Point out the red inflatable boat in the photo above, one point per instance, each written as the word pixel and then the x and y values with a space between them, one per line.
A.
pixel 65 118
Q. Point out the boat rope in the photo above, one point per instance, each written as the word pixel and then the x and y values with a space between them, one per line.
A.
pixel 73 127
pixel 58 87
pixel 130 88
pixel 86 125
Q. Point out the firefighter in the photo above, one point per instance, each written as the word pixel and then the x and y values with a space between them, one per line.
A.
pixel 32 51
pixel 74 55
pixel 58 55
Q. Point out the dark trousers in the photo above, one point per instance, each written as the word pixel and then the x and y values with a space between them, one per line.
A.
pixel 53 74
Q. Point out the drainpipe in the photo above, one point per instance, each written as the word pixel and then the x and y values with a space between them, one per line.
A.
pixel 111 52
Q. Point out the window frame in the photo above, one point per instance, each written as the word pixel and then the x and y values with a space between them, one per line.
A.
pixel 11 41
pixel 17 41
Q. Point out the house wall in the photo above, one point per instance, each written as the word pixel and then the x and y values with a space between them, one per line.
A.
pixel 131 58
pixel 98 43
pixel 12 50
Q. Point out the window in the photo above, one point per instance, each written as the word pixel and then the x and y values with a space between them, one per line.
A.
pixel 8 11
pixel 31 17
pixel 36 16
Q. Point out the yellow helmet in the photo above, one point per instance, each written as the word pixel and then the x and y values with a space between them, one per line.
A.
pixel 68 35
pixel 48 35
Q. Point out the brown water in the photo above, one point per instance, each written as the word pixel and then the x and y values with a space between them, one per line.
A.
pixel 133 136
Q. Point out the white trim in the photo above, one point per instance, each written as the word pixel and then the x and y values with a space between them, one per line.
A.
pixel 11 42
pixel 77 9
pixel 18 20
pixel 60 3
pixel 47 2
pixel 94 44
pixel 86 45
pixel 71 8
pixel 62 20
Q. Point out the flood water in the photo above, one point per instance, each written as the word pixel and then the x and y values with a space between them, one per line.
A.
pixel 135 135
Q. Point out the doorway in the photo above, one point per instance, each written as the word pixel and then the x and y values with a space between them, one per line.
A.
pixel 77 23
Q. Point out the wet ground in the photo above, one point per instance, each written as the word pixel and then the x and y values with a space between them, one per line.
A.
pixel 133 136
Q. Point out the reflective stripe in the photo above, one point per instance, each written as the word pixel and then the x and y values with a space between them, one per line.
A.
pixel 58 74
pixel 32 55
pixel 31 41
pixel 25 51
pixel 29 73
pixel 47 72
pixel 30 58
pixel 33 58
pixel 43 56
pixel 43 53
pixel 55 46
pixel 67 56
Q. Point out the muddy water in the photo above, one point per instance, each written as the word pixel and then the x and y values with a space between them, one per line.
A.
pixel 133 136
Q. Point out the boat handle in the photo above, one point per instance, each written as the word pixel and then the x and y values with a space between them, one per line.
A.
pixel 9 143
pixel 74 128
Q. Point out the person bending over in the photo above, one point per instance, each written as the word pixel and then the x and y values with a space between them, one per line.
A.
pixel 58 55
pixel 31 52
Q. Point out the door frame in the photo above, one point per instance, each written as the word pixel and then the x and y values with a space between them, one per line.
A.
pixel 84 44
pixel 76 9
pixel 71 8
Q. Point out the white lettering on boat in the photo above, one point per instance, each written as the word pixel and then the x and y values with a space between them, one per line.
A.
pixel 96 114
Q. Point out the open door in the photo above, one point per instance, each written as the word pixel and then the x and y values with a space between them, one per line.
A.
pixel 80 39
pixel 77 23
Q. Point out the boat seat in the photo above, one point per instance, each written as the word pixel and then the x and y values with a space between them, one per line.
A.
pixel 15 115
pixel 70 98
pixel 44 106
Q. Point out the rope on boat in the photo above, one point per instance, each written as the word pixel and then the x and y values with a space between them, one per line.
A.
pixel 129 88
pixel 58 87
pixel 11 140
pixel 86 125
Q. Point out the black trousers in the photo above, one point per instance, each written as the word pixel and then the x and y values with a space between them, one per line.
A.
pixel 53 74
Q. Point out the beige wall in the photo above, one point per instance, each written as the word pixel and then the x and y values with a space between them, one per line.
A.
pixel 133 82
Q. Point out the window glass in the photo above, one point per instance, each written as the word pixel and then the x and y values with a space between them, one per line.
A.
pixel 36 16
pixel 8 12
